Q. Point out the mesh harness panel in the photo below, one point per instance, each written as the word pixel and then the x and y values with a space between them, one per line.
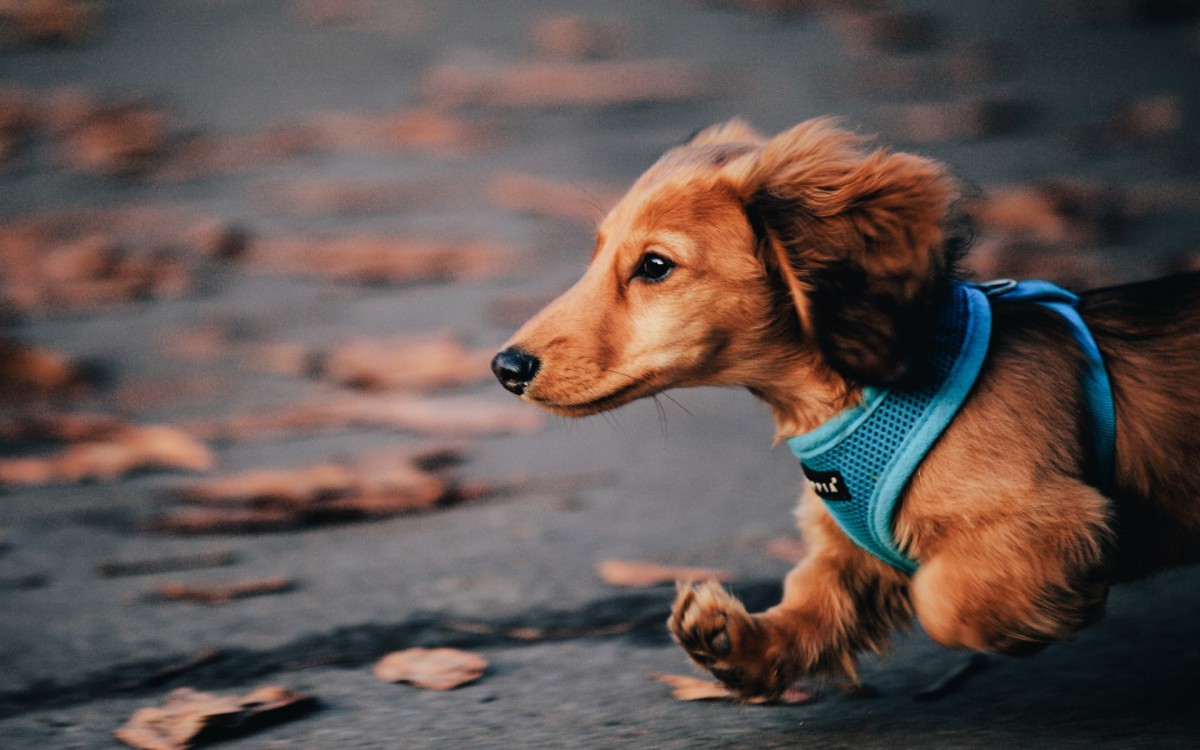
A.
pixel 860 461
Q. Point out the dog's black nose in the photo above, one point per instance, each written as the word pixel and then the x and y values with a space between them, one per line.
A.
pixel 515 368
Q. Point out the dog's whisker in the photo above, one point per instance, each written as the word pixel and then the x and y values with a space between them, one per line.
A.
pixel 662 415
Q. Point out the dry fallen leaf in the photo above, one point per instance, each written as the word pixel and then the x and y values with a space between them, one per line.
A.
pixel 375 259
pixel 189 718
pixel 33 371
pixel 120 138
pixel 687 688
pixel 583 203
pixel 431 668
pixel 46 21
pixel 959 120
pixel 637 574
pixel 80 259
pixel 111 456
pixel 328 492
pixel 442 416
pixel 435 362
pixel 220 593
pixel 152 566
pixel 593 83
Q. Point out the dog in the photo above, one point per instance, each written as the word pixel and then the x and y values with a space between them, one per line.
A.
pixel 809 267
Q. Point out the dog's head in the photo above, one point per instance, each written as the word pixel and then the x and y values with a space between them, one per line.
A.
pixel 741 260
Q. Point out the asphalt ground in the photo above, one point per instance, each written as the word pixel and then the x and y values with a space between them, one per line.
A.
pixel 1018 93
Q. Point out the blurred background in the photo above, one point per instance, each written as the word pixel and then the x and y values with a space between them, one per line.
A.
pixel 255 256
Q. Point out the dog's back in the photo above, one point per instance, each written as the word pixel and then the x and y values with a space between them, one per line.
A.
pixel 1149 334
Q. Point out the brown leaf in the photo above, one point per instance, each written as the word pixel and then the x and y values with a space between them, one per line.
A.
pixel 377 259
pixel 76 260
pixel 438 362
pixel 28 371
pixel 960 120
pixel 431 668
pixel 127 449
pixel 687 688
pixel 151 566
pixel 222 593
pixel 1056 211
pixel 427 129
pixel 576 37
pixel 62 427
pixel 324 493
pixel 206 155
pixel 583 203
pixel 189 718
pixel 891 31
pixel 442 416
pixel 118 138
pixel 583 84
pixel 341 196
pixel 637 574
pixel 46 21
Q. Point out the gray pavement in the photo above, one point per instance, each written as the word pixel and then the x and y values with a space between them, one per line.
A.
pixel 698 486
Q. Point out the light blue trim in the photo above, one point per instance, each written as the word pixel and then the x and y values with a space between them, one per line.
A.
pixel 895 428
pixel 877 444
pixel 1097 389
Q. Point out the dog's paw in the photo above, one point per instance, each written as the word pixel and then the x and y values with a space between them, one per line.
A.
pixel 718 633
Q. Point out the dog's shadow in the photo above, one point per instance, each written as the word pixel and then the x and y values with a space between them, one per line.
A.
pixel 1129 681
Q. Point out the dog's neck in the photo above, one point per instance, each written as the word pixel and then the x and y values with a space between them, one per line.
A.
pixel 802 395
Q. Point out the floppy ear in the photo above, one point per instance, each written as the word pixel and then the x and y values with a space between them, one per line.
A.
pixel 857 238
pixel 736 130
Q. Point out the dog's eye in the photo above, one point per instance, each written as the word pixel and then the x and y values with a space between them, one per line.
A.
pixel 653 267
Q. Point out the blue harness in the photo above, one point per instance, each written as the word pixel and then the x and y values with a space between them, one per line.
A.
pixel 860 461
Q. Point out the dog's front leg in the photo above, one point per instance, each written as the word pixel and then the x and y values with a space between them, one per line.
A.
pixel 839 601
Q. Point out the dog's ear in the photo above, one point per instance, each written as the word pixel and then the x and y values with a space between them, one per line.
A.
pixel 736 130
pixel 857 238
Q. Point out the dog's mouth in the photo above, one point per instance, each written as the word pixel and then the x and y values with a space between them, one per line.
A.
pixel 619 397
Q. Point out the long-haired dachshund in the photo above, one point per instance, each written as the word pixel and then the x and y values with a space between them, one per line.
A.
pixel 814 271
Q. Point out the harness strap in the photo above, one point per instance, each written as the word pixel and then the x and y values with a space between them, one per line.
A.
pixel 861 460
pixel 1102 421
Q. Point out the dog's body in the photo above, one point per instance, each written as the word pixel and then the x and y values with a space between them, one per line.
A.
pixel 805 268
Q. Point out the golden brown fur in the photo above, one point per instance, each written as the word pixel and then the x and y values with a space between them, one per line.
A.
pixel 806 267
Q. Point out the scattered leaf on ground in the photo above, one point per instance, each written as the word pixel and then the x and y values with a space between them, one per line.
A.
pixel 436 362
pixel 590 83
pixel 171 563
pixel 637 574
pixel 441 416
pixel 583 203
pixel 117 138
pixel 375 259
pixel 576 37
pixel 342 196
pixel 46 21
pixel 957 121
pixel 431 668
pixel 686 688
pixel 78 260
pixel 189 718
pixel 28 371
pixel 891 31
pixel 329 492
pixel 129 448
pixel 1133 123
pixel 220 593
pixel 1061 211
